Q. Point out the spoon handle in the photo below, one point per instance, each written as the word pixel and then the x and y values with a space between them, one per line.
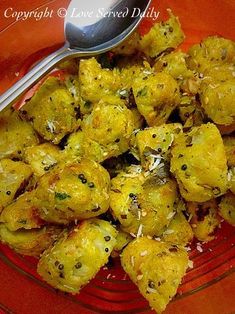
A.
pixel 32 77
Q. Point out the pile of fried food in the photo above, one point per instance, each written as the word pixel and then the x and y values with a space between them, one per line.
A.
pixel 131 154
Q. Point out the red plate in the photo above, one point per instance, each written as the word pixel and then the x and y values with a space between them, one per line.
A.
pixel 209 287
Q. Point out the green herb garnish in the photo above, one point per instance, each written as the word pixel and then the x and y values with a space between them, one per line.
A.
pixel 61 196
pixel 142 92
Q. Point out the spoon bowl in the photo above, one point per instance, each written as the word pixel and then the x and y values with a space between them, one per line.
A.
pixel 90 29
pixel 101 26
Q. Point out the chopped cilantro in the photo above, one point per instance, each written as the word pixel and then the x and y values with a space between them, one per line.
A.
pixel 62 196
pixel 142 92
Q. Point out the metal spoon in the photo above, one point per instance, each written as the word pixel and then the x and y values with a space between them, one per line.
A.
pixel 85 36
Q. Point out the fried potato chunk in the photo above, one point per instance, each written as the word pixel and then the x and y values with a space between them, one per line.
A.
pixel 142 204
pixel 199 163
pixel 73 191
pixel 229 144
pixel 130 46
pixel 29 242
pixel 219 73
pixel 106 132
pixel 156 96
pixel 231 179
pixel 155 142
pixel 14 177
pixel 162 36
pixel 157 269
pixel 179 231
pixel 78 255
pixel 16 135
pixel 174 64
pixel 96 83
pixel 23 213
pixel 204 219
pixel 227 208
pixel 52 111
pixel 211 51
pixel 218 101
pixel 42 158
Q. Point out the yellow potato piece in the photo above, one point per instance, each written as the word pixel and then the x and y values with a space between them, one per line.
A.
pixel 142 204
pixel 155 142
pixel 96 83
pixel 162 36
pixel 179 231
pixel 199 163
pixel 227 208
pixel 229 144
pixel 16 135
pixel 204 219
pixel 42 158
pixel 78 255
pixel 29 242
pixel 174 64
pixel 73 191
pixel 156 96
pixel 218 102
pixel 157 269
pixel 52 111
pixel 212 51
pixel 23 213
pixel 14 178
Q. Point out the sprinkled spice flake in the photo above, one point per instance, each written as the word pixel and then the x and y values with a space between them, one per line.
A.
pixel 139 232
pixel 50 127
pixel 190 264
pixel 199 247
pixel 144 253
pixel 140 277
pixel 169 231
pixel 170 215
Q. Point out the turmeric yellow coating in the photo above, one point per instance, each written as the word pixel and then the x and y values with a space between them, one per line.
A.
pixel 229 144
pixel 14 178
pixel 29 242
pixel 155 142
pixel 179 231
pixel 73 191
pixel 218 101
pixel 231 179
pixel 174 64
pixel 42 158
pixel 199 163
pixel 204 219
pixel 52 111
pixel 211 51
pixel 219 73
pixel 16 135
pixel 156 97
pixel 78 255
pixel 162 36
pixel 23 213
pixel 96 83
pixel 129 46
pixel 142 204
pixel 157 269
pixel 227 208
